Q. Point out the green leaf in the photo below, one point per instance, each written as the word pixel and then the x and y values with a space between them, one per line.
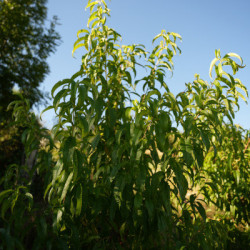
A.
pixel 62 93
pixel 82 94
pixel 237 176
pixel 187 150
pixel 66 186
pixel 56 171
pixel 69 143
pixel 150 207
pixel 118 136
pixel 156 37
pixel 152 92
pixel 59 217
pixel 205 139
pixel 83 124
pixel 201 210
pixel 4 207
pixel 75 164
pixel 84 38
pixel 48 108
pixel 127 113
pixel 176 35
pixel 99 106
pixel 95 141
pixel 4 193
pixel 73 91
pixel 59 84
pixel 112 117
pixel 46 190
pixel 91 4
pixel 181 181
pixel 198 153
pixel 129 79
pixel 76 47
pixel 137 200
pixel 82 31
pixel 30 198
pixel 215 60
pixel 104 3
pixel 91 18
pixel 235 55
pixel 79 200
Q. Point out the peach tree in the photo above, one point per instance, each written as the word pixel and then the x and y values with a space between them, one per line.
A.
pixel 128 161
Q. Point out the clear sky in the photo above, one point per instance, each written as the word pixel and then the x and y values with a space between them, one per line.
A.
pixel 203 25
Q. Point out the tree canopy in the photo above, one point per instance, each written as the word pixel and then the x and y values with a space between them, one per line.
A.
pixel 27 38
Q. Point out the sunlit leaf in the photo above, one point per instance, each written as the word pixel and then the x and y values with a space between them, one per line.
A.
pixel 212 65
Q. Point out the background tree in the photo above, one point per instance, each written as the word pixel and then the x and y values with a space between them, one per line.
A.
pixel 27 38
pixel 26 41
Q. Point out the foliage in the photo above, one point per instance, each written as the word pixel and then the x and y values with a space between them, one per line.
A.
pixel 123 174
pixel 229 173
pixel 23 211
pixel 26 41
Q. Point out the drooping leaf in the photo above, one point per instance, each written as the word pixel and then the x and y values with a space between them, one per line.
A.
pixel 66 186
pixel 79 200
pixel 215 60
pixel 201 210
pixel 62 93
pixel 81 31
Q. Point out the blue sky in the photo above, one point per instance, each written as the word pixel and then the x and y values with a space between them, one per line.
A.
pixel 203 25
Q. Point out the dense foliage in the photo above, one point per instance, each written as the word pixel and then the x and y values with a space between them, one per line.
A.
pixel 125 170
pixel 26 41
pixel 27 38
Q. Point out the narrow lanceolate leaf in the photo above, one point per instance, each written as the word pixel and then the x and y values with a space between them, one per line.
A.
pixel 95 141
pixel 73 91
pixel 59 217
pixel 4 193
pixel 212 65
pixel 181 181
pixel 66 186
pixel 68 144
pixel 176 35
pixel 156 37
pixel 79 200
pixel 91 4
pixel 187 150
pixel 231 54
pixel 205 139
pixel 83 124
pixel 59 84
pixel 76 47
pixel 56 171
pixel 48 108
pixel 201 210
pixel 82 31
pixel 118 136
pixel 127 113
pixel 75 165
pixel 91 18
pixel 62 93
pixel 82 94
pixel 84 38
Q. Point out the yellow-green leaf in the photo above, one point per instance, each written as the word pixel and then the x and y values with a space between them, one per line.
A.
pixel 212 65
